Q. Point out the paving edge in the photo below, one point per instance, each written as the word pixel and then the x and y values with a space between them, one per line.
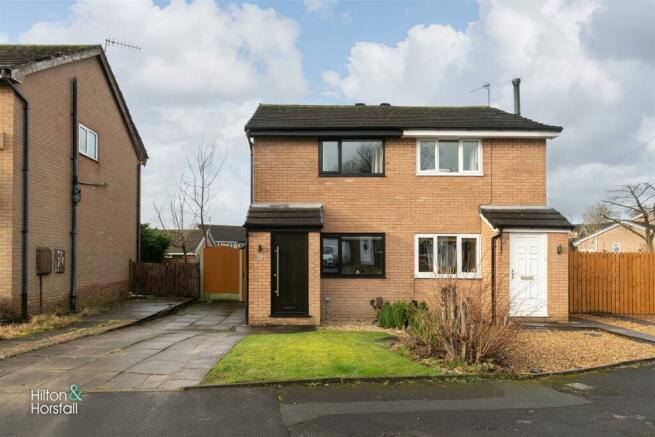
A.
pixel 393 379
pixel 164 312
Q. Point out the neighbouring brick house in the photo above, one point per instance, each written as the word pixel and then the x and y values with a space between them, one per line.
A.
pixel 75 193
pixel 352 203
pixel 616 238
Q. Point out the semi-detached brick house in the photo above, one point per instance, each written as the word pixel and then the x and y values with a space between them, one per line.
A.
pixel 70 159
pixel 352 203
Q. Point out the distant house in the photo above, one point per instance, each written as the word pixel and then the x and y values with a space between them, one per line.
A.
pixel 175 253
pixel 70 162
pixel 220 235
pixel 227 235
pixel 615 238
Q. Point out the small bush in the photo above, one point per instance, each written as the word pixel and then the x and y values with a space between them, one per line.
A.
pixel 423 329
pixel 395 315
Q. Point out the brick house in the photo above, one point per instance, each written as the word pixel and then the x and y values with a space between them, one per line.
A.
pixel 354 203
pixel 631 237
pixel 70 159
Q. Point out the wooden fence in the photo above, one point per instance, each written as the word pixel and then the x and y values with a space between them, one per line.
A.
pixel 165 280
pixel 620 283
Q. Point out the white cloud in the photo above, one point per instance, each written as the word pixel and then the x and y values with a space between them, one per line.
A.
pixel 199 76
pixel 601 99
pixel 319 6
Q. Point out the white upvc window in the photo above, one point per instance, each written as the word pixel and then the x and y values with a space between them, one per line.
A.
pixel 449 157
pixel 88 142
pixel 616 247
pixel 447 256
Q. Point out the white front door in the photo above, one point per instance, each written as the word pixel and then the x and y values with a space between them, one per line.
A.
pixel 528 290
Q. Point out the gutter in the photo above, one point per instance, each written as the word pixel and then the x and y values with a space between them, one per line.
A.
pixel 25 203
pixel 75 198
pixel 138 212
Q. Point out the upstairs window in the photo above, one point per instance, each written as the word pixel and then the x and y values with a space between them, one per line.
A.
pixel 88 140
pixel 351 158
pixel 449 157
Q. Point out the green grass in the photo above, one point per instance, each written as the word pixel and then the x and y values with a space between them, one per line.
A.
pixel 319 354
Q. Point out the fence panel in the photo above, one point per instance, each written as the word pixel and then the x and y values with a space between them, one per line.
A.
pixel 223 269
pixel 621 283
pixel 165 279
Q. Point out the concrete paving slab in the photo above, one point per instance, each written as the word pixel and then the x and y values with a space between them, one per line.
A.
pixel 125 381
pixel 88 379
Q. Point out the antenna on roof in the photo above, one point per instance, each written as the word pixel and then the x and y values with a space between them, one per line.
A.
pixel 109 42
pixel 488 87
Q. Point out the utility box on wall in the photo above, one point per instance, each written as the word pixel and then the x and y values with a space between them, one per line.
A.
pixel 43 261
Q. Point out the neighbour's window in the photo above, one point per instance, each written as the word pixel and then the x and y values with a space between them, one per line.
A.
pixel 356 255
pixel 447 255
pixel 449 157
pixel 88 142
pixel 616 248
pixel 351 157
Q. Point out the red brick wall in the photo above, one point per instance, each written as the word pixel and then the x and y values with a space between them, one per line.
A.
pixel 400 205
pixel 106 214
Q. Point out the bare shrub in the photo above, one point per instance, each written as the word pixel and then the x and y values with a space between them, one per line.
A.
pixel 462 328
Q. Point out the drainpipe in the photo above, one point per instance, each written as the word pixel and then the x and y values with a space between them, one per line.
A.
pixel 252 197
pixel 25 222
pixel 75 198
pixel 493 275
pixel 138 212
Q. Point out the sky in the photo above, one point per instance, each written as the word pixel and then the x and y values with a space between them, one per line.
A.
pixel 204 65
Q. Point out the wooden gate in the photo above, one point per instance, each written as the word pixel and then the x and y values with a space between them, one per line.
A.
pixel 224 272
pixel 620 283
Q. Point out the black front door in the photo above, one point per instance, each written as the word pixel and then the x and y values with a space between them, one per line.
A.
pixel 289 274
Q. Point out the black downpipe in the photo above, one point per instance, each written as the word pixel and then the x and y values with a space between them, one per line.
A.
pixel 252 198
pixel 138 212
pixel 75 198
pixel 493 275
pixel 25 223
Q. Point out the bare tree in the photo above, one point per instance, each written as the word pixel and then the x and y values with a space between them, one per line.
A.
pixel 180 218
pixel 637 201
pixel 204 169
pixel 594 218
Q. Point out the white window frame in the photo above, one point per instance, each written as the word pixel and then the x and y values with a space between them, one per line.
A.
pixel 434 274
pixel 460 149
pixel 616 247
pixel 79 148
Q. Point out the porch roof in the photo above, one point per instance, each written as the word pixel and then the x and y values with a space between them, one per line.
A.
pixel 284 216
pixel 524 217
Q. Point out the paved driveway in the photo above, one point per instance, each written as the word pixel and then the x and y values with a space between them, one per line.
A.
pixel 165 354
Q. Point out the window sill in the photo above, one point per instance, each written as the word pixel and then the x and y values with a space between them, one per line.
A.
pixel 344 175
pixel 89 158
pixel 324 276
pixel 442 276
pixel 448 174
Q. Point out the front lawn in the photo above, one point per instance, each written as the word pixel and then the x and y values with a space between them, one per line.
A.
pixel 307 355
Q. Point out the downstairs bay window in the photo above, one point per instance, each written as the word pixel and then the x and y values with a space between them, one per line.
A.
pixel 352 255
pixel 447 255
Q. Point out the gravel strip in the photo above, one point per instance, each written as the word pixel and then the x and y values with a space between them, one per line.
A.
pixel 554 351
